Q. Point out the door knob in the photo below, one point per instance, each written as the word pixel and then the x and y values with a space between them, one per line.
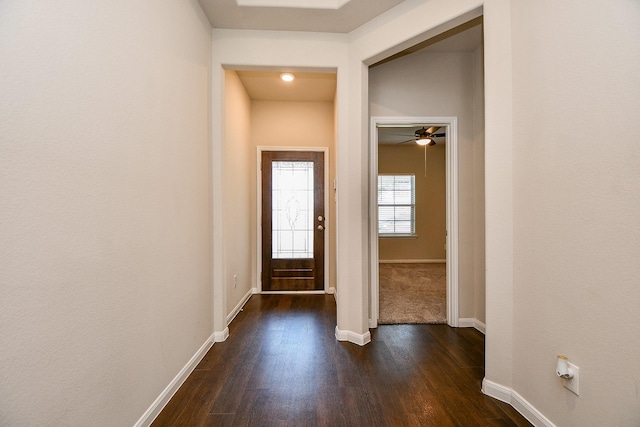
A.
pixel 320 218
pixel 321 228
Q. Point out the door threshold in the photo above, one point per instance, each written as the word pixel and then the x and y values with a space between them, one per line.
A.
pixel 293 292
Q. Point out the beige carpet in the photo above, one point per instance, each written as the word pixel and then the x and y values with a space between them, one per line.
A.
pixel 413 293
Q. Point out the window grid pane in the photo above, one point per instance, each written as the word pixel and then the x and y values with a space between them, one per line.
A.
pixel 396 204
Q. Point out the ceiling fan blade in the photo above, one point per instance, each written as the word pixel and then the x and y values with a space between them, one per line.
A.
pixel 438 135
pixel 404 142
pixel 432 129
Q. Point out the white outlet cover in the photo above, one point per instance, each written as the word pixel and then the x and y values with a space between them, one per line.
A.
pixel 573 384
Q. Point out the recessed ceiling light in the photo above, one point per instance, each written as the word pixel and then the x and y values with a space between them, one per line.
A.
pixel 287 77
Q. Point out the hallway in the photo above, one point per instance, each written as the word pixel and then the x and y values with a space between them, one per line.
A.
pixel 283 366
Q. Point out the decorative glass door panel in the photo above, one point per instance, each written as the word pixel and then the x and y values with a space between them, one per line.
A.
pixel 292 220
pixel 292 194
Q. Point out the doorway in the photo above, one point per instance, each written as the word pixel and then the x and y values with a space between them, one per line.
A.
pixel 412 225
pixel 293 222
pixel 449 127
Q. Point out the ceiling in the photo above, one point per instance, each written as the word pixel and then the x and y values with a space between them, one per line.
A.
pixel 329 16
pixel 466 37
pixel 337 16
pixel 267 86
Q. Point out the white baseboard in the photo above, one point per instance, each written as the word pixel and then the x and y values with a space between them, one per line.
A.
pixel 156 407
pixel 238 308
pixel 412 261
pixel 221 336
pixel 360 339
pixel 519 403
pixel 166 395
pixel 496 391
pixel 331 290
pixel 472 323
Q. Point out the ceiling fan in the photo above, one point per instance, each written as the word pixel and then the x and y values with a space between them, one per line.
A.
pixel 425 136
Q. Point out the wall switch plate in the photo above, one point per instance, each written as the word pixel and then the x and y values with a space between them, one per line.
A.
pixel 235 280
pixel 573 384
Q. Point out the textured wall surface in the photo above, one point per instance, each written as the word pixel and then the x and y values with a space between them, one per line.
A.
pixel 239 166
pixel 576 207
pixel 104 206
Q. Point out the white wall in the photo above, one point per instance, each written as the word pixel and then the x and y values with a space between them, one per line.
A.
pixel 576 68
pixel 104 206
pixel 441 84
pixel 479 267
pixel 498 183
pixel 239 168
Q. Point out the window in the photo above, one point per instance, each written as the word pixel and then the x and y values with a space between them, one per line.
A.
pixel 396 205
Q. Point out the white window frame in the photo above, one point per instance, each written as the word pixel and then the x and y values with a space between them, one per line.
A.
pixel 412 205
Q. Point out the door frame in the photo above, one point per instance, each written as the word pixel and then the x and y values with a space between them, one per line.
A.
pixel 451 162
pixel 260 149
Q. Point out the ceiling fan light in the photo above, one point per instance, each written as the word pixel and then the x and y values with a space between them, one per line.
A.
pixel 423 140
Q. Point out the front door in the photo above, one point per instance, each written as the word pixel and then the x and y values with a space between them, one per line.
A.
pixel 292 220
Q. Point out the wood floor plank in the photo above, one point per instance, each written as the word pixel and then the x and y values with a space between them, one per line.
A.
pixel 282 366
pixel 512 415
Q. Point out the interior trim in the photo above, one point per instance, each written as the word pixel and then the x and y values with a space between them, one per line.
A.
pixel 161 401
pixel 352 337
pixel 238 308
pixel 221 336
pixel 467 322
pixel 451 125
pixel 519 403
pixel 327 206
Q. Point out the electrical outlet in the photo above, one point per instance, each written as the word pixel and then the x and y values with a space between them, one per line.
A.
pixel 573 384
pixel 235 280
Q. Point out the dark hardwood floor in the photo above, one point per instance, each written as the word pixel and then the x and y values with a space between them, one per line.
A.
pixel 282 366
